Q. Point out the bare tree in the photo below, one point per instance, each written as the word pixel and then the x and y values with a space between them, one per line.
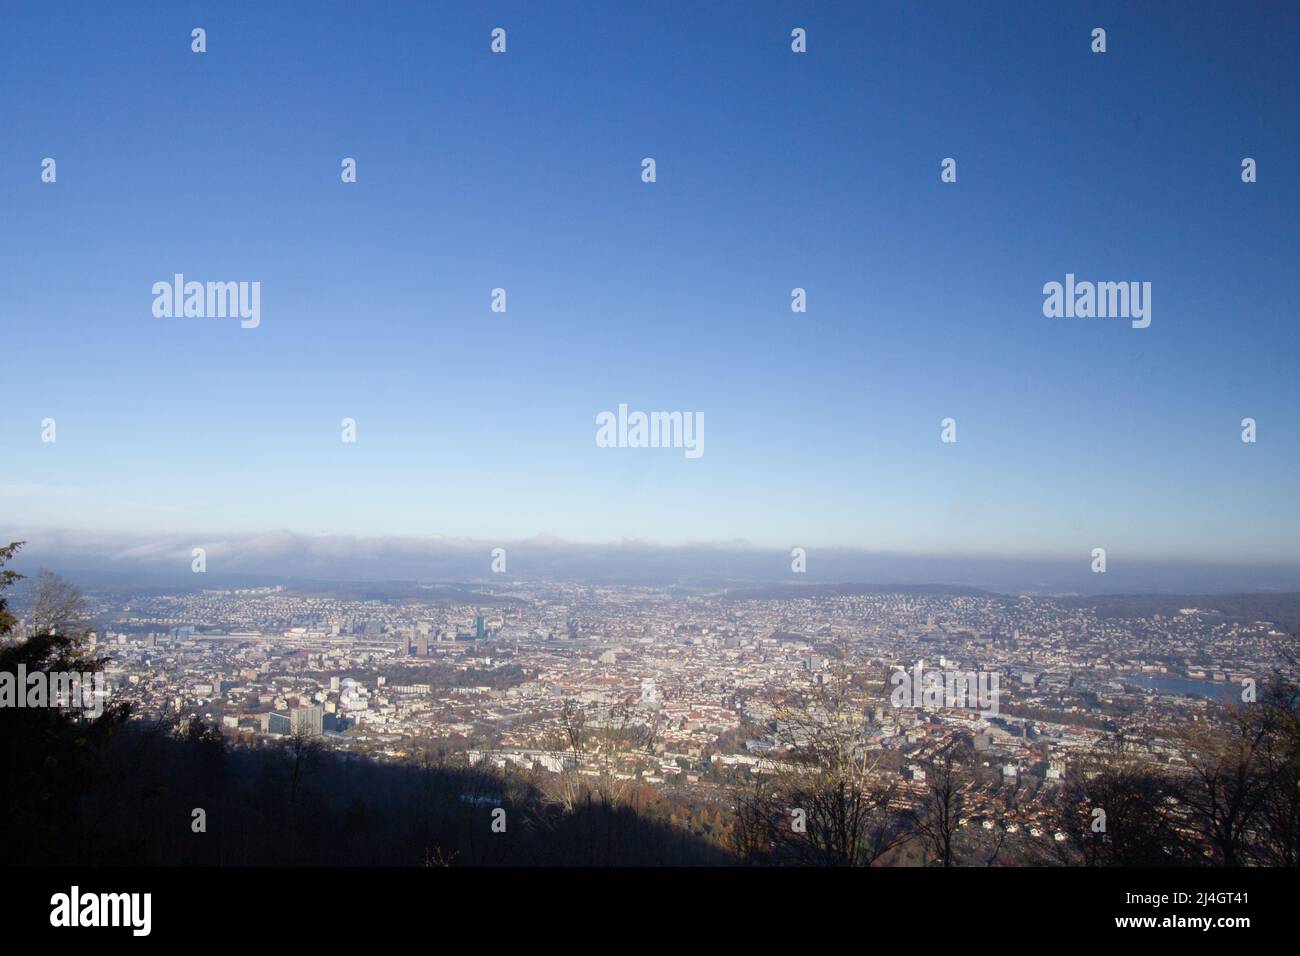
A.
pixel 1278 826
pixel 751 835
pixel 1117 807
pixel 567 789
pixel 56 638
pixel 825 803
pixel 941 809
pixel 596 741
pixel 619 732
pixel 1227 786
pixel 56 607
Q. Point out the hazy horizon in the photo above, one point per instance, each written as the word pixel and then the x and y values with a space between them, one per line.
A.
pixel 154 560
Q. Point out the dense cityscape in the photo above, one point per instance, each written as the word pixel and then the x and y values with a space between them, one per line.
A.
pixel 493 676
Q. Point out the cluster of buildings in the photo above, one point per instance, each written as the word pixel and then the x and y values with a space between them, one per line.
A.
pixel 675 688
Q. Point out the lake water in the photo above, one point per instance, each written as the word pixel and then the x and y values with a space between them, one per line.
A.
pixel 1214 690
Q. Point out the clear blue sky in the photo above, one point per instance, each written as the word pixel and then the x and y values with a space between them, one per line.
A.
pixel 775 170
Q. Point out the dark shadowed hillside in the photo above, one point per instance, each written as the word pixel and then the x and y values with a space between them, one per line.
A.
pixel 127 795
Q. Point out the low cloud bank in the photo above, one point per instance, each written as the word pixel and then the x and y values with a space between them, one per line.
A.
pixel 102 558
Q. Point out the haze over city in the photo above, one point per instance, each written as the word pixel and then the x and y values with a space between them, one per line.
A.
pixel 125 557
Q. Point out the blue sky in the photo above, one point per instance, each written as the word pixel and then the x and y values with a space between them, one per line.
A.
pixel 775 170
